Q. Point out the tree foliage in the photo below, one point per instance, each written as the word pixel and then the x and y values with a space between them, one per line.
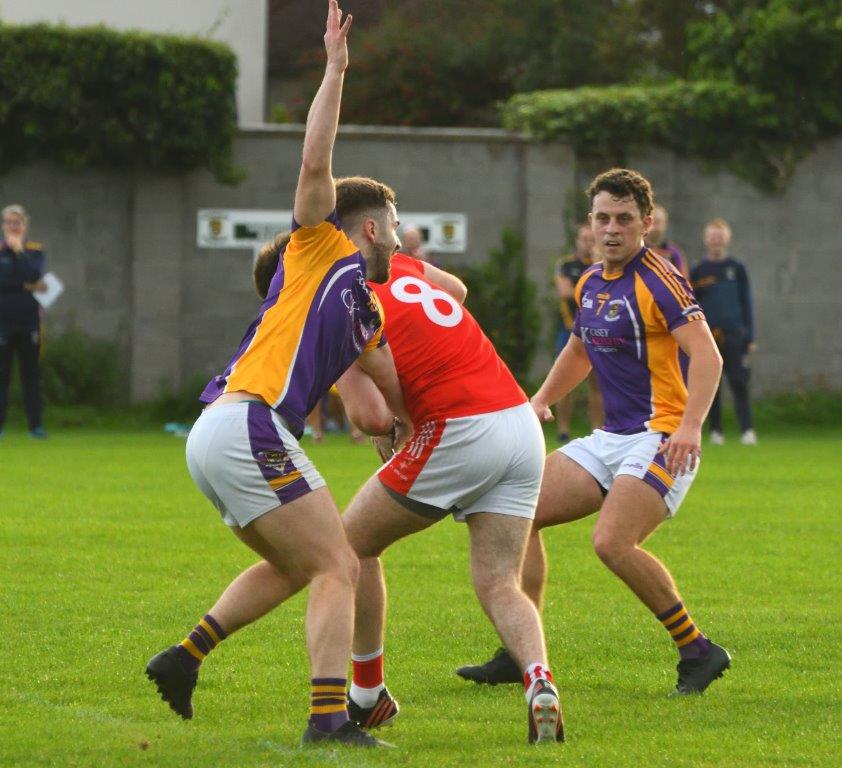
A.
pixel 446 62
pixel 789 48
pixel 502 299
pixel 96 97
pixel 770 89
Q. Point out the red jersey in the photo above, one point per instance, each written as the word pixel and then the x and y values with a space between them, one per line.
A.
pixel 447 366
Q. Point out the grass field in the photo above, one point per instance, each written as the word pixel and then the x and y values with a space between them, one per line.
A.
pixel 108 553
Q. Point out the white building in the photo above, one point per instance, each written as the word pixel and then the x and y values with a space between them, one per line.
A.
pixel 239 23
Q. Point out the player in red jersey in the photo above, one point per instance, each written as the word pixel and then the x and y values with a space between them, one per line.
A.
pixel 477 454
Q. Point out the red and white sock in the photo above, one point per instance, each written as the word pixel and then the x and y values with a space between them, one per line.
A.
pixel 368 678
pixel 533 675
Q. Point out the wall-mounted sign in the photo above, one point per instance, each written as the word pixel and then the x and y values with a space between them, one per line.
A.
pixel 442 232
pixel 232 228
pixel 249 229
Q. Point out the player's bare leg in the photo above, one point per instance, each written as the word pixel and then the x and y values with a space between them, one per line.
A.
pixel 568 493
pixel 497 546
pixel 306 536
pixel 254 593
pixel 370 614
pixel 373 521
pixel 632 511
pixel 301 542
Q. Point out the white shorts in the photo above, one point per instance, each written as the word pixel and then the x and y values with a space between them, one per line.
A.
pixel 605 455
pixel 492 462
pixel 246 461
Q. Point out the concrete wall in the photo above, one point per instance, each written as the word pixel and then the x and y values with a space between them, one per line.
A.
pixel 790 246
pixel 239 23
pixel 126 246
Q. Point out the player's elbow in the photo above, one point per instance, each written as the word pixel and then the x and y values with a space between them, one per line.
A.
pixel 372 423
pixel 460 291
pixel 715 358
pixel 370 415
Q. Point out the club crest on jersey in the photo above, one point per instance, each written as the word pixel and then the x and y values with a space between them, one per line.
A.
pixel 587 301
pixel 614 308
pixel 272 459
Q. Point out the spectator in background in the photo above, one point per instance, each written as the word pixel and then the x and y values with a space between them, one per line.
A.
pixel 568 270
pixel 656 241
pixel 721 286
pixel 412 243
pixel 21 273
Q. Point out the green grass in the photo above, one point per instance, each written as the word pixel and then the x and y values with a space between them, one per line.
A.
pixel 108 553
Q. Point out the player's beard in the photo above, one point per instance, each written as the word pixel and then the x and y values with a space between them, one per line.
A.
pixel 377 263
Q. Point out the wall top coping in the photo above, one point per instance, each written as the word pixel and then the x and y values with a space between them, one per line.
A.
pixel 255 130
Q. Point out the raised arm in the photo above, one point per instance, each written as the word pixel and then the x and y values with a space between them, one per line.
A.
pixel 315 195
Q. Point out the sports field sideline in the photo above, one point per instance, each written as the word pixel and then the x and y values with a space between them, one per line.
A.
pixel 109 553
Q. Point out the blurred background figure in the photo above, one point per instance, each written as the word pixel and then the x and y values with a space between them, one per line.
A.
pixel 568 270
pixel 412 243
pixel 656 240
pixel 21 273
pixel 722 288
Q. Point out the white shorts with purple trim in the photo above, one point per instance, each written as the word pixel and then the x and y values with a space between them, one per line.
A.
pixel 605 455
pixel 246 461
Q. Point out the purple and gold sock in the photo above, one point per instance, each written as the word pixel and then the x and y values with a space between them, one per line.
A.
pixel 328 704
pixel 206 635
pixel 690 641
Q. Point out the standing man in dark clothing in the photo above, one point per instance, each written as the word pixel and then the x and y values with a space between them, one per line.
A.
pixel 656 240
pixel 568 270
pixel 21 271
pixel 722 288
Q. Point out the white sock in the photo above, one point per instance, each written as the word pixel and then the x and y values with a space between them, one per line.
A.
pixel 365 697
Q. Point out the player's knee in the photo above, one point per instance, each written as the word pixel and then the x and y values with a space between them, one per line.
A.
pixel 342 566
pixel 351 567
pixel 609 549
pixel 493 586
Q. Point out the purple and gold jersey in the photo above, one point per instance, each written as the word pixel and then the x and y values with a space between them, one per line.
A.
pixel 625 322
pixel 318 317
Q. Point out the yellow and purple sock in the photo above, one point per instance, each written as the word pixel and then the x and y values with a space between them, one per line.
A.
pixel 328 704
pixel 206 635
pixel 690 641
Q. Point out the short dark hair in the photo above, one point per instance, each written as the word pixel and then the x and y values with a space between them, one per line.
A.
pixel 621 183
pixel 357 196
pixel 266 263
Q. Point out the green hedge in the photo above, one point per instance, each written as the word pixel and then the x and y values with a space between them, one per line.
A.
pixel 79 370
pixel 94 97
pixel 712 120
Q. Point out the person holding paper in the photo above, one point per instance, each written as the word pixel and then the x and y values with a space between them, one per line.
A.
pixel 21 275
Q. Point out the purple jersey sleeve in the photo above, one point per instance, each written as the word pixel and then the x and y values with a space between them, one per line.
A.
pixel 673 296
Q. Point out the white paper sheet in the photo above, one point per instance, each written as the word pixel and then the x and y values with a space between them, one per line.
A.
pixel 54 289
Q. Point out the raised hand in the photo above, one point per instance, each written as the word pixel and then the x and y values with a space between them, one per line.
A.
pixel 336 36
